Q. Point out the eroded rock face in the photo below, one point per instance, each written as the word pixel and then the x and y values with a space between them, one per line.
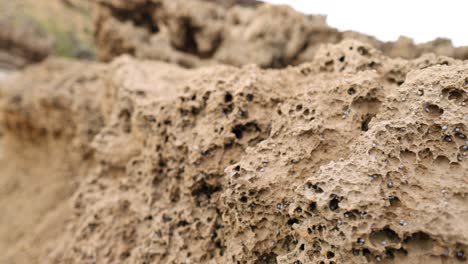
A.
pixel 352 158
pixel 49 115
pixel 198 33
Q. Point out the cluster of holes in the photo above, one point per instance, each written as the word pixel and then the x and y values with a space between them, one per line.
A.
pixel 300 111
pixel 456 95
pixel 328 65
pixel 316 229
pixel 241 129
pixel 229 103
pixel 351 215
pixel 191 106
pixel 314 187
pixel 253 195
pixel 387 238
pixel 457 135
pixel 266 258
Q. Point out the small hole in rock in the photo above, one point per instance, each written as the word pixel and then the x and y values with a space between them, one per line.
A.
pixel 389 254
pixel 334 203
pixel 394 201
pixel 238 131
pixel 227 110
pixel 363 51
pixel 228 97
pixel 312 206
pixel 315 187
pixel 460 255
pixel 166 218
pixel 149 217
pixel 365 123
pixel 455 95
pixel 433 110
pixel 125 255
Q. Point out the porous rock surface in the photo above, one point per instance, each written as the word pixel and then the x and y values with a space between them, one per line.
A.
pixel 354 157
pixel 198 33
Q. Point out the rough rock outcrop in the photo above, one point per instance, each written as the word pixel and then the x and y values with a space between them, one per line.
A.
pixel 352 158
pixel 197 33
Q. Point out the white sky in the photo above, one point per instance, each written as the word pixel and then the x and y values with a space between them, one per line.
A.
pixel 421 20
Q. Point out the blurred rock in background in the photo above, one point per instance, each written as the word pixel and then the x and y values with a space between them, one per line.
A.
pixel 33 30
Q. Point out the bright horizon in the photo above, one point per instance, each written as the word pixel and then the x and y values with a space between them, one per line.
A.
pixel 387 20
